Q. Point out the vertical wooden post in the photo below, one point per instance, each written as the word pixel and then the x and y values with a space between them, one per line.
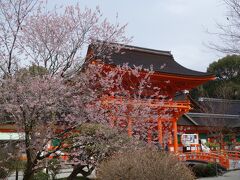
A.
pixel 160 134
pixel 149 135
pixel 149 130
pixel 175 138
pixel 129 126
pixel 112 121
pixel 129 120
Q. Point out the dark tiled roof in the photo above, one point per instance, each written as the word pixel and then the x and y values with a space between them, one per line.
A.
pixel 215 112
pixel 162 61
pixel 186 120
pixel 193 119
pixel 220 106
pixel 227 121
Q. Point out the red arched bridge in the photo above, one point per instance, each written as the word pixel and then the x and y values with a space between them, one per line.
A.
pixel 229 160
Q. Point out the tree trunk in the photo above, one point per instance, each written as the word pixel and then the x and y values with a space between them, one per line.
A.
pixel 28 174
pixel 16 174
pixel 79 169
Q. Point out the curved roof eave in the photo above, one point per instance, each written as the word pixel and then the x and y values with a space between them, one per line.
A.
pixel 162 62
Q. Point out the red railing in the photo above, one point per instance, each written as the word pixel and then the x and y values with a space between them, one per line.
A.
pixel 205 157
pixel 235 155
pixel 220 157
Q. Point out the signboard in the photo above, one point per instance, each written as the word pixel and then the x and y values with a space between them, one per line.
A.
pixel 11 136
pixel 189 139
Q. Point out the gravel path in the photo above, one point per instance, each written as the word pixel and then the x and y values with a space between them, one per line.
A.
pixel 231 175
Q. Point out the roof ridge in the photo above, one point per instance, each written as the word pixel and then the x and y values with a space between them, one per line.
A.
pixel 217 100
pixel 138 48
pixel 212 114
pixel 147 50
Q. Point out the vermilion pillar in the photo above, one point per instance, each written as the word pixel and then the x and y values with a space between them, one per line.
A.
pixel 160 134
pixel 149 135
pixel 129 119
pixel 112 121
pixel 175 139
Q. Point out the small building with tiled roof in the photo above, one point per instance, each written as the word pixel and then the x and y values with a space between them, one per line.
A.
pixel 211 117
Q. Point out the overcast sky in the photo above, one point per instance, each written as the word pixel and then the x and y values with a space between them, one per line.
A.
pixel 178 26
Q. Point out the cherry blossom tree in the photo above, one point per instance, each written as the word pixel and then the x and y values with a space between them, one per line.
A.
pixel 45 108
pixel 56 41
pixel 12 18
pixel 31 32
pixel 73 89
